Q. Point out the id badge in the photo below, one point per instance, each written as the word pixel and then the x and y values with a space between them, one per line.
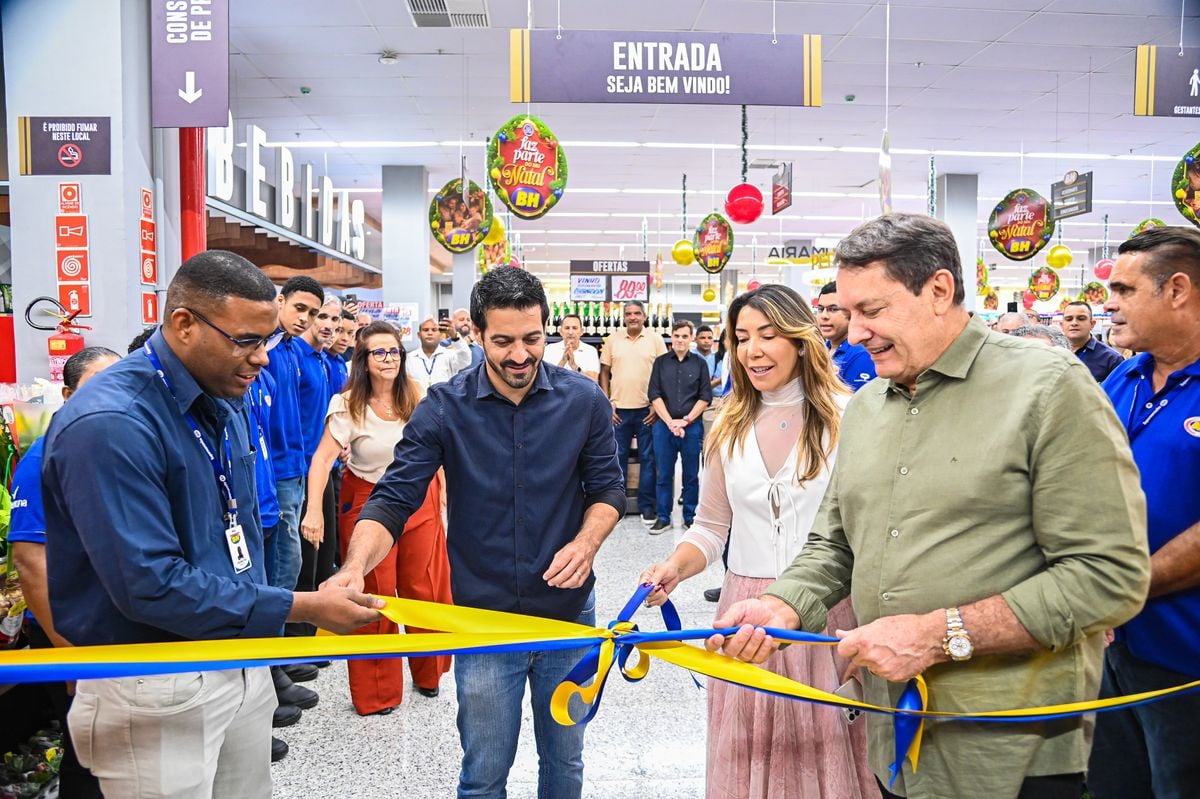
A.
pixel 239 551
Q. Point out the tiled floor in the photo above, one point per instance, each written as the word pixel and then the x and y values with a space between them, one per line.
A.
pixel 648 738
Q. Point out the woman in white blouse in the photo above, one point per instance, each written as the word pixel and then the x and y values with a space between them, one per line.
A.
pixel 367 419
pixel 768 463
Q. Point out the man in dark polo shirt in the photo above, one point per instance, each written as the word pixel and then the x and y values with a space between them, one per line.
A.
pixel 534 490
pixel 680 390
pixel 1077 325
pixel 1154 749
pixel 149 490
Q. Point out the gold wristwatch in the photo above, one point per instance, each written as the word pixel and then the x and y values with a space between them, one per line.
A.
pixel 957 643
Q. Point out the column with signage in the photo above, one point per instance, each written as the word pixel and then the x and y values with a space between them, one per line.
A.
pixel 81 142
pixel 957 206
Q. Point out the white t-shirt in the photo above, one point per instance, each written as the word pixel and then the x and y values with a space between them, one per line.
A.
pixel 587 357
pixel 445 363
pixel 371 441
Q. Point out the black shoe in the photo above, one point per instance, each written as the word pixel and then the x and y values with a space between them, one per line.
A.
pixel 712 594
pixel 387 711
pixel 648 519
pixel 323 664
pixel 285 716
pixel 429 692
pixel 687 523
pixel 279 749
pixel 660 526
pixel 289 693
pixel 301 672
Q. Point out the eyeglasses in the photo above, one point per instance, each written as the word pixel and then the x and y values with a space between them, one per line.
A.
pixel 241 346
pixel 829 309
pixel 382 354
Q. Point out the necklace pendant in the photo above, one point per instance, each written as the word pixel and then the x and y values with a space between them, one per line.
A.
pixel 783 425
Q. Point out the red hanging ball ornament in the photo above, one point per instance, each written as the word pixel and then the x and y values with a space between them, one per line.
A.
pixel 1103 268
pixel 753 284
pixel 744 203
pixel 1028 299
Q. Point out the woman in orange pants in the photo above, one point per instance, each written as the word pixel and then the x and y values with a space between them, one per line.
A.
pixel 368 419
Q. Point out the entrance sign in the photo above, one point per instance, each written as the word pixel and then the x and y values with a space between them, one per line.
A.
pixel 664 67
pixel 1167 82
pixel 189 63
pixel 65 146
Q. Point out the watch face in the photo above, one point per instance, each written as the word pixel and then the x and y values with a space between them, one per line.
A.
pixel 960 647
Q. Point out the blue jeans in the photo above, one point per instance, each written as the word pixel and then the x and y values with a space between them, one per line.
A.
pixel 283 548
pixel 490 691
pixel 631 427
pixel 1147 751
pixel 668 447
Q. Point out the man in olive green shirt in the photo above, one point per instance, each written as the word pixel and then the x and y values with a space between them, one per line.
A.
pixel 954 519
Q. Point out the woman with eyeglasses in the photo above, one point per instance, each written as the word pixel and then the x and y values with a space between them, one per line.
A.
pixel 769 459
pixel 368 419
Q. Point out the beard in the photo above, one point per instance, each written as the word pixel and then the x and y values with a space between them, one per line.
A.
pixel 514 380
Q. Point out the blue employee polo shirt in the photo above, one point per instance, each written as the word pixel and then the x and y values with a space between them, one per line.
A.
pixel 283 432
pixel 259 399
pixel 520 477
pixel 1100 359
pixel 854 364
pixel 314 397
pixel 28 522
pixel 1164 432
pixel 336 370
pixel 138 552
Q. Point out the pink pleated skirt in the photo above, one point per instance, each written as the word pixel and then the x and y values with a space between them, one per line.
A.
pixel 763 747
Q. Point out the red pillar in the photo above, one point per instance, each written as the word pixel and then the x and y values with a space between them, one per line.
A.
pixel 193 224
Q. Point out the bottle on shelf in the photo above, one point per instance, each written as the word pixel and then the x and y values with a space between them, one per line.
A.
pixel 652 319
pixel 668 320
pixel 554 320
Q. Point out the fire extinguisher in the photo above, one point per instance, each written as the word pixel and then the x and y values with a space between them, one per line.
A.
pixel 65 342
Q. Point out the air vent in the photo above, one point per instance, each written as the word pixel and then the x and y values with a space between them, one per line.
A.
pixel 449 13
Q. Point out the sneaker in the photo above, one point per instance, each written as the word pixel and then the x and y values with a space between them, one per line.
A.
pixel 279 749
pixel 712 594
pixel 648 519
pixel 659 526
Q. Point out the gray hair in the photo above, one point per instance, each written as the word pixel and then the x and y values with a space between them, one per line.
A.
pixel 912 248
pixel 1055 337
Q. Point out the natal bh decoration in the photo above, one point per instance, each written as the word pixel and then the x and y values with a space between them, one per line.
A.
pixel 1146 224
pixel 527 166
pixel 1185 186
pixel 713 243
pixel 460 222
pixel 1044 283
pixel 1021 224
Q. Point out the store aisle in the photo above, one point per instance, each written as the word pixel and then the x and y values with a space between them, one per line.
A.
pixel 648 738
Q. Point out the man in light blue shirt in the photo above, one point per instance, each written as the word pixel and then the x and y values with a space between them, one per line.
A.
pixel 852 360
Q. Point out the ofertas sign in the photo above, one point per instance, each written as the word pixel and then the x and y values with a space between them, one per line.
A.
pixel 604 280
pixel 1167 82
pixel 65 145
pixel 547 66
pixel 189 57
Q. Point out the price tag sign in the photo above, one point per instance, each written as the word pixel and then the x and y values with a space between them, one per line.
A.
pixel 589 288
pixel 630 287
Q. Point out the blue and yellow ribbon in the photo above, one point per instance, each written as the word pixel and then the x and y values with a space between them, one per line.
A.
pixel 472 631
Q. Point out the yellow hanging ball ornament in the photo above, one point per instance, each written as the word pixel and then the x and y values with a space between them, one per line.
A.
pixel 495 233
pixel 709 294
pixel 1059 256
pixel 683 253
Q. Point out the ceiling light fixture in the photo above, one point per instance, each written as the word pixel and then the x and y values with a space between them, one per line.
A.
pixel 389 58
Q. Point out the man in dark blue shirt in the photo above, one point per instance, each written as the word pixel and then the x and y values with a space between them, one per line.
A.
pixel 852 360
pixel 534 490
pixel 1152 750
pixel 1077 325
pixel 149 490
pixel 680 389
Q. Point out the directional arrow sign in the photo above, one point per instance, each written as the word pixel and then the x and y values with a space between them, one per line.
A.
pixel 189 54
pixel 189 92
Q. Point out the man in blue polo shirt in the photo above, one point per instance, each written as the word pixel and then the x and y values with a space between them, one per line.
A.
pixel 149 489
pixel 852 360
pixel 1077 325
pixel 535 489
pixel 1154 749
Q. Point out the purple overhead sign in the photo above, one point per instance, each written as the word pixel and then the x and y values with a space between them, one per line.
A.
pixel 662 67
pixel 189 58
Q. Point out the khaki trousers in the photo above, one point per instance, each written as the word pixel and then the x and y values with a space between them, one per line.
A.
pixel 197 735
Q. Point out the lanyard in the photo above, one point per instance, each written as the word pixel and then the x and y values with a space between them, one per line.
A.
pixel 1162 403
pixel 432 362
pixel 220 469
